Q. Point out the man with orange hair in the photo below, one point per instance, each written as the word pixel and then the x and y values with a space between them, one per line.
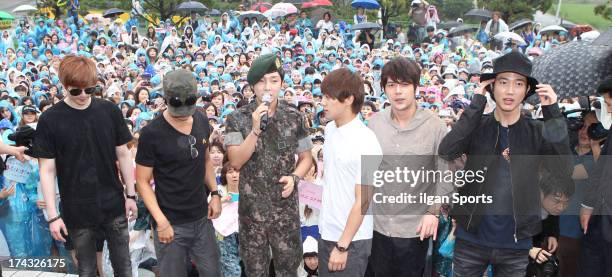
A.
pixel 79 141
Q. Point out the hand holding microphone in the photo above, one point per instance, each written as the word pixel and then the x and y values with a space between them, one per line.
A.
pixel 264 118
pixel 260 115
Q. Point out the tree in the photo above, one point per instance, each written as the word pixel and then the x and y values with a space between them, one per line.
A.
pixel 516 9
pixel 154 10
pixel 390 8
pixel 604 10
pixel 452 9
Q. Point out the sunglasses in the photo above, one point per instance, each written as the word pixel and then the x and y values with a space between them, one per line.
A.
pixel 194 151
pixel 176 101
pixel 78 91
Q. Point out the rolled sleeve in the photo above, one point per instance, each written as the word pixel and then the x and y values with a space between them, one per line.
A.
pixel 304 144
pixel 233 138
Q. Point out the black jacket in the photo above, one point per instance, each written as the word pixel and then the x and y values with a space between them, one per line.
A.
pixel 476 135
pixel 599 194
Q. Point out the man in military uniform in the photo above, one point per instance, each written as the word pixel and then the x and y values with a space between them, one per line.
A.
pixel 268 212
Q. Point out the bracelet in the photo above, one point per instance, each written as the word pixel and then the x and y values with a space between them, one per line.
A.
pixel 256 134
pixel 169 225
pixel 54 219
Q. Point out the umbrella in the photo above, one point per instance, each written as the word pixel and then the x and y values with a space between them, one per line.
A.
pixel 191 6
pixel 366 4
pixel 274 13
pixel 251 14
pixel 214 12
pixel 504 36
pixel 112 12
pixel 553 28
pixel 25 8
pixel 457 31
pixel 590 35
pixel 317 15
pixel 604 38
pixel 573 69
pixel 6 16
pixel 261 6
pixel 520 23
pixel 366 25
pixel 287 7
pixel 481 14
pixel 317 3
pixel 449 24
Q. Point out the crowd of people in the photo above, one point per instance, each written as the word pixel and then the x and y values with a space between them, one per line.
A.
pixel 188 149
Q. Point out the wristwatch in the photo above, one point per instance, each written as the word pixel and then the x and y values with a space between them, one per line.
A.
pixel 215 192
pixel 296 180
pixel 133 197
pixel 341 249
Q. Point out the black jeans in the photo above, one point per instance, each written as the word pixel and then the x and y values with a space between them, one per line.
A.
pixel 596 257
pixel 471 260
pixel 401 257
pixel 116 235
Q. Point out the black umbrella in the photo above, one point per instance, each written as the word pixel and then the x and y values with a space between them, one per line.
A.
pixel 112 12
pixel 457 31
pixel 191 6
pixel 214 12
pixel 449 24
pixel 605 38
pixel 251 14
pixel 366 25
pixel 520 23
pixel 573 69
pixel 481 14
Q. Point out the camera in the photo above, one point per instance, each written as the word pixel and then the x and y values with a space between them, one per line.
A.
pixel 596 131
pixel 549 268
pixel 24 136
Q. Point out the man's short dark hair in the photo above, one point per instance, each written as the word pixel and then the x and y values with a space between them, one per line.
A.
pixel 605 87
pixel 430 29
pixel 309 70
pixel 553 184
pixel 401 69
pixel 341 84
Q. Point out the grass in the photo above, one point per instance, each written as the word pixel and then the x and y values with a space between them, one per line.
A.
pixel 581 14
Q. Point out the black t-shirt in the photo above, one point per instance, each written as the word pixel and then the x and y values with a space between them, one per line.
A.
pixel 83 142
pixel 179 179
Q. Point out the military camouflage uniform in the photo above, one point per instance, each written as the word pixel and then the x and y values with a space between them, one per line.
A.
pixel 267 220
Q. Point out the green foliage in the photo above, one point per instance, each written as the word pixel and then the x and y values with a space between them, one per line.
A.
pixel 604 10
pixel 452 9
pixel 392 8
pixel 513 10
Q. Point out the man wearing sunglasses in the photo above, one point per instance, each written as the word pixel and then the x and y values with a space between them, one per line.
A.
pixel 173 150
pixel 79 141
pixel 268 212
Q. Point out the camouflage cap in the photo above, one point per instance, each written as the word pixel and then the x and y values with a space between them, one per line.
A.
pixel 263 65
pixel 181 84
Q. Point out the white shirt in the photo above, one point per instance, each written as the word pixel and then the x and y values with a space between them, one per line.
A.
pixel 342 153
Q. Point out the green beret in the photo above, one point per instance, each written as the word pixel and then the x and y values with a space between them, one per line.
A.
pixel 263 65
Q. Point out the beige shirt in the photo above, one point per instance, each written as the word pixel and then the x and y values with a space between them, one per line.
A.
pixel 414 148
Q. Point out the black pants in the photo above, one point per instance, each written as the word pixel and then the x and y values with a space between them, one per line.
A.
pixel 116 235
pixel 401 257
pixel 596 258
pixel 471 260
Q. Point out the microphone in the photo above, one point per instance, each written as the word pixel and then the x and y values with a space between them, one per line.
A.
pixel 264 118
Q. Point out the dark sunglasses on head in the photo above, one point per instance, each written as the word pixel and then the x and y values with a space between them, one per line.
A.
pixel 176 101
pixel 78 91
